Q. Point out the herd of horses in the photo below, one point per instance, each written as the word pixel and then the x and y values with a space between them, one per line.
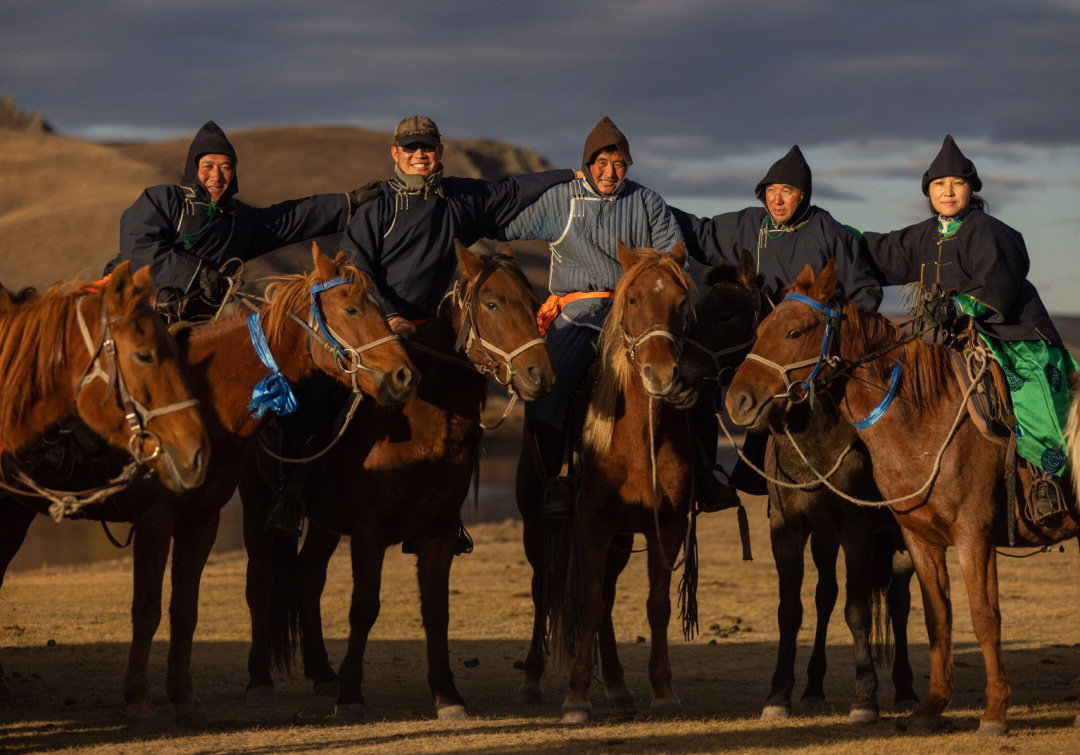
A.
pixel 94 363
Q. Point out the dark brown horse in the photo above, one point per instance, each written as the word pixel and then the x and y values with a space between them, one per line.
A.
pixel 802 510
pixel 721 332
pixel 222 366
pixel 946 481
pixel 99 353
pixel 635 477
pixel 399 475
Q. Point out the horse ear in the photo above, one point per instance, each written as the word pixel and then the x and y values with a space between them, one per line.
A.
pixel 341 259
pixel 805 280
pixel 627 256
pixel 826 282
pixel 120 288
pixel 469 263
pixel 747 269
pixel 142 279
pixel 325 269
pixel 678 253
pixel 506 251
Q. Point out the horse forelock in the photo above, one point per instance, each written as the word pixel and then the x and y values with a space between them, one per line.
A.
pixel 292 294
pixel 616 371
pixel 33 350
pixel 927 372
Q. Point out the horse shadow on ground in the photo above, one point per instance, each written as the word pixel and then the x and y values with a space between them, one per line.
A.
pixel 69 695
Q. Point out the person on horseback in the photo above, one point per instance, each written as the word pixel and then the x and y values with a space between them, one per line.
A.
pixel 185 232
pixel 402 235
pixel 785 234
pixel 972 270
pixel 582 221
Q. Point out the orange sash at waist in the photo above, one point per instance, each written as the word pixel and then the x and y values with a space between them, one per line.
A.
pixel 551 308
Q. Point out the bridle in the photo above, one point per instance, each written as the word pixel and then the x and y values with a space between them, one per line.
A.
pixel 715 355
pixel 656 330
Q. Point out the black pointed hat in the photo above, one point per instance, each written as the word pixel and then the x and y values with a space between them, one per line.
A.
pixel 950 161
pixel 791 169
pixel 210 139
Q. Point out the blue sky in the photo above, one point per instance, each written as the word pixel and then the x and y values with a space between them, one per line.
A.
pixel 709 93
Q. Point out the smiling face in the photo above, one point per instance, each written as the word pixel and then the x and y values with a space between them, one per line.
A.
pixel 608 169
pixel 215 172
pixel 781 200
pixel 417 158
pixel 949 195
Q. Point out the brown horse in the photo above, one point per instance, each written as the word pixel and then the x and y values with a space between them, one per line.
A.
pixel 222 367
pixel 99 353
pixel 635 477
pixel 946 481
pixel 398 475
pixel 720 333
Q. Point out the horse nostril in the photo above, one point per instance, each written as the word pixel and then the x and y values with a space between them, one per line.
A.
pixel 647 372
pixel 402 378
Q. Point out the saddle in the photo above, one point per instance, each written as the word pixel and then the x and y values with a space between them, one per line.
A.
pixel 990 406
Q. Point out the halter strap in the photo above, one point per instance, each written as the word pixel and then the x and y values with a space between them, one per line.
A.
pixel 879 411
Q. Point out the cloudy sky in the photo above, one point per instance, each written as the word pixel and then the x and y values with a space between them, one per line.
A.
pixel 709 92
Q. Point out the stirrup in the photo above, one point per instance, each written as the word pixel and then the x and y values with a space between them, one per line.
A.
pixel 1045 501
pixel 714 494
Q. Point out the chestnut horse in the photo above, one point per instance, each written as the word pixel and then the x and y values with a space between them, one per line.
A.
pixel 99 353
pixel 945 480
pixel 398 475
pixel 635 477
pixel 802 510
pixel 345 336
pixel 721 332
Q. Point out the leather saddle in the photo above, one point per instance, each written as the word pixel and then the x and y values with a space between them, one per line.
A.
pixel 990 406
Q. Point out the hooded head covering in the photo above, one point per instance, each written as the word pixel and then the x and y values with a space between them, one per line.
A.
pixel 950 161
pixel 791 169
pixel 210 139
pixel 605 134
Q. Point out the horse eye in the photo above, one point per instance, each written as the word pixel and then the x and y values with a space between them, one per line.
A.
pixel 631 300
pixel 491 306
pixel 351 311
pixel 793 334
pixel 143 357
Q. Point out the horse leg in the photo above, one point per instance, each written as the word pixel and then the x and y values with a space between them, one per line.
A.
pixel 367 563
pixel 530 503
pixel 788 544
pixel 259 584
pixel 191 548
pixel 618 693
pixel 899 601
pixel 664 701
pixel 433 558
pixel 978 563
pixel 16 521
pixel 153 532
pixel 823 550
pixel 859 564
pixel 319 546
pixel 929 561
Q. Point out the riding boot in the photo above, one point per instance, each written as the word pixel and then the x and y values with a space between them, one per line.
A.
pixel 286 514
pixel 557 460
pixel 710 492
pixel 742 476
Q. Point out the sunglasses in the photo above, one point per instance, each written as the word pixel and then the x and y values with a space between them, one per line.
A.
pixel 409 149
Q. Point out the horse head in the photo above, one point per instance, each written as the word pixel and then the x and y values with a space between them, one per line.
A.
pixel 726 316
pixel 347 335
pixel 494 315
pixel 793 350
pixel 132 391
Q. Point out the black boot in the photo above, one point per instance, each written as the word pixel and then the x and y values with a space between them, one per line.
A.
pixel 742 476
pixel 710 492
pixel 286 514
pixel 557 461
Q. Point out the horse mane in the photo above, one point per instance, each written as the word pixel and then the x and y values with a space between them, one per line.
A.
pixel 616 372
pixel 33 348
pixel 291 293
pixel 927 371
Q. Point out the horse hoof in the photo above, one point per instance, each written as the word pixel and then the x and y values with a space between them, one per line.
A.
pixel 575 716
pixel 192 719
pixel 454 712
pixel 259 695
pixel 622 699
pixel 350 712
pixel 530 693
pixel 909 705
pixel 775 712
pixel 992 729
pixel 926 725
pixel 666 708
pixel 813 706
pixel 862 716
pixel 330 689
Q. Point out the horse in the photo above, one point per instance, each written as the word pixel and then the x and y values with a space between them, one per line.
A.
pixel 346 337
pixel 397 475
pixel 635 476
pixel 944 480
pixel 95 351
pixel 720 332
pixel 801 509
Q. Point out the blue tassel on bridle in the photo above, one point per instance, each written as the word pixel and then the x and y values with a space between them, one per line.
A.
pixel 272 393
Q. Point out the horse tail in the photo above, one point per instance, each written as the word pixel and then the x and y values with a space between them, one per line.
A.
pixel 881 640
pixel 1072 429
pixel 560 588
pixel 283 624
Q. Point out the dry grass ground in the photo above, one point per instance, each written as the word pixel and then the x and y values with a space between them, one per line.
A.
pixel 64 632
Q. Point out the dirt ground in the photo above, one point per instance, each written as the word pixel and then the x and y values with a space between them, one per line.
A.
pixel 64 634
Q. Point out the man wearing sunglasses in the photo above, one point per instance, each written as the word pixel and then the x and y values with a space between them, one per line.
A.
pixel 403 234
